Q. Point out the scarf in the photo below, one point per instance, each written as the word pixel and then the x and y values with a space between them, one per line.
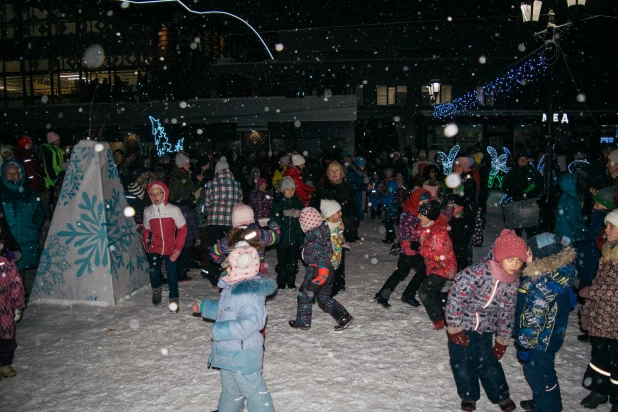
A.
pixel 500 274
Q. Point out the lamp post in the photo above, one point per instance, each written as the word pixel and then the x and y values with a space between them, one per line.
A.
pixel 434 87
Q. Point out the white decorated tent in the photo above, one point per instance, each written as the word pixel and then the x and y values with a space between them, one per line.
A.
pixel 93 252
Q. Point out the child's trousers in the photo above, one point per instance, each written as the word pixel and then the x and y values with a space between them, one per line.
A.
pixel 155 261
pixel 7 351
pixel 307 292
pixel 237 387
pixel 287 264
pixel 543 380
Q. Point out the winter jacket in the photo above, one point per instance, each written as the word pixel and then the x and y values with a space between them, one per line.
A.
pixel 261 203
pixel 570 224
pixel 32 166
pixel 601 308
pixel 165 228
pixel 277 177
pixel 193 231
pixel 12 296
pixel 239 314
pixel 182 186
pixel 389 201
pixel 221 195
pixel 303 191
pixel 357 179
pixel 53 158
pixel 437 250
pixel 344 195
pixel 409 231
pixel 317 248
pixel 291 233
pixel 25 215
pixel 523 183
pixel 337 239
pixel 479 302
pixel 543 302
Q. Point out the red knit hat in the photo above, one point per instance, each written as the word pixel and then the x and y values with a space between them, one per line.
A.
pixel 508 245
pixel 309 218
pixel 23 141
pixel 412 203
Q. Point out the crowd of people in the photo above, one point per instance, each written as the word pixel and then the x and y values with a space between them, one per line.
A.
pixel 221 214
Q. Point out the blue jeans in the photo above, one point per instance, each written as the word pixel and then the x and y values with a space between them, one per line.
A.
pixel 235 388
pixel 477 361
pixel 541 375
pixel 154 261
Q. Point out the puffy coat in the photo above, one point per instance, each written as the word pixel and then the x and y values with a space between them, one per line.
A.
pixel 570 223
pixel 303 191
pixel 261 203
pixel 12 296
pixel 291 233
pixel 165 228
pixel 543 304
pixel 239 315
pixel 601 308
pixel 25 215
pixel 182 186
pixel 317 248
pixel 409 231
pixel 479 302
pixel 523 183
pixel 437 249
pixel 344 195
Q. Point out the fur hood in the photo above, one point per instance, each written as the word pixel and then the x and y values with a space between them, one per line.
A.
pixel 552 263
pixel 257 285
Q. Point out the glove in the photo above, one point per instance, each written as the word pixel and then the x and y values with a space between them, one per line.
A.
pixel 288 212
pixel 17 316
pixel 415 246
pixel 174 255
pixel 263 222
pixel 296 213
pixel 459 338
pixel 17 255
pixel 320 279
pixel 198 242
pixel 584 293
pixel 523 355
pixel 197 307
pixel 499 350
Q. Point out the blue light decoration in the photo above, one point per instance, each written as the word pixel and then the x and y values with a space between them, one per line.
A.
pixel 206 12
pixel 516 77
pixel 160 137
pixel 447 161
pixel 498 164
pixel 576 165
pixel 541 165
pixel 180 145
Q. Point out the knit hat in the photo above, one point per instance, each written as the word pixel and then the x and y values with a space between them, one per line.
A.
pixel 136 190
pixel 23 141
pixel 285 160
pixel 261 181
pixel 543 245
pixel 605 197
pixel 52 137
pixel 509 245
pixel 464 162
pixel 612 217
pixel 6 148
pixel 360 161
pixel 242 215
pixel 244 263
pixel 329 207
pixel 287 183
pixel 221 164
pixel 181 160
pixel 297 160
pixel 431 210
pixel 412 203
pixel 309 218
pixel 613 156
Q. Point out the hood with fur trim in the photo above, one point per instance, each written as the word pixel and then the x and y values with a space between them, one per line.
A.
pixel 552 263
pixel 257 285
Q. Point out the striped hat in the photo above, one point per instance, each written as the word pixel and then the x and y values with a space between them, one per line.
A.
pixel 136 190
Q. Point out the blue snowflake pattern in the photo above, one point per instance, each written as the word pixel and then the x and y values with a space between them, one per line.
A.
pixel 74 176
pixel 52 264
pixel 112 170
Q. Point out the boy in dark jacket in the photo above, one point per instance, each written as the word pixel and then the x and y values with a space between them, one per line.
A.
pixel 543 307
pixel 286 211
pixel 390 209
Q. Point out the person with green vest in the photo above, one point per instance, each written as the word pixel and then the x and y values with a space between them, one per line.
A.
pixel 53 165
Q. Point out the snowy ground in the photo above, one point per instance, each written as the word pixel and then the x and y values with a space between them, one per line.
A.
pixel 136 357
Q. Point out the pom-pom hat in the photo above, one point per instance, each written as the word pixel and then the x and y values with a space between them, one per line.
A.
pixel 509 245
pixel 309 218
pixel 329 207
pixel 297 160
pixel 242 215
pixel 244 263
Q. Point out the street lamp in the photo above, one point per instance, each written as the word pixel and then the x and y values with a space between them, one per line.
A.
pixel 531 10
pixel 434 89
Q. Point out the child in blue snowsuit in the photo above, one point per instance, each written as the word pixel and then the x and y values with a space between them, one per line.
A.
pixel 237 345
pixel 543 305
pixel 390 210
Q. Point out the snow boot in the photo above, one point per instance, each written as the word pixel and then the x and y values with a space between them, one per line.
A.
pixel 344 322
pixel 7 371
pixel 291 286
pixel 395 249
pixel 174 305
pixel 593 400
pixel 527 405
pixel 300 326
pixel 156 295
pixel 468 406
pixel 507 405
pixel 382 301
pixel 412 302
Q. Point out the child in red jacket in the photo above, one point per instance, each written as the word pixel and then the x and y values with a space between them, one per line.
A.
pixel 164 235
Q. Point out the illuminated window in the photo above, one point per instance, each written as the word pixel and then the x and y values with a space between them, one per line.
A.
pixel 392 95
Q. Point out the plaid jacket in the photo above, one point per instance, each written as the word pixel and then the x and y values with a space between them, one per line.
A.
pixel 221 195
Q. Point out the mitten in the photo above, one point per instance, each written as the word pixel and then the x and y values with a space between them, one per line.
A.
pixel 523 355
pixel 415 246
pixel 174 255
pixel 459 338
pixel 320 279
pixel 197 307
pixel 499 350
pixel 288 212
pixel 17 316
pixel 296 213
pixel 263 222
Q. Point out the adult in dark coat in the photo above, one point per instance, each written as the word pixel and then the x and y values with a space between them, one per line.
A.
pixel 521 183
pixel 334 188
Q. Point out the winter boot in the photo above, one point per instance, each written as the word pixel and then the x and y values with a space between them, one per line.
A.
pixel 291 285
pixel 527 405
pixel 507 405
pixel 156 295
pixel 174 305
pixel 382 301
pixel 296 325
pixel 7 371
pixel 593 400
pixel 468 406
pixel 438 324
pixel 344 322
pixel 395 249
pixel 584 337
pixel 411 301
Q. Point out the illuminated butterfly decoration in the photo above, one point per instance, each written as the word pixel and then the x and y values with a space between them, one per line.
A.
pixel 179 145
pixel 447 161
pixel 577 165
pixel 498 164
pixel 161 141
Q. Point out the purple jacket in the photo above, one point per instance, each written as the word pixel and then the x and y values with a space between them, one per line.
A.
pixel 261 203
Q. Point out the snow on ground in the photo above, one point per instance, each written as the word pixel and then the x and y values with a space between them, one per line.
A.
pixel 137 357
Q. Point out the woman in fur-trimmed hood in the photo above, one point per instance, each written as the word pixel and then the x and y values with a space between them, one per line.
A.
pixel 543 305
